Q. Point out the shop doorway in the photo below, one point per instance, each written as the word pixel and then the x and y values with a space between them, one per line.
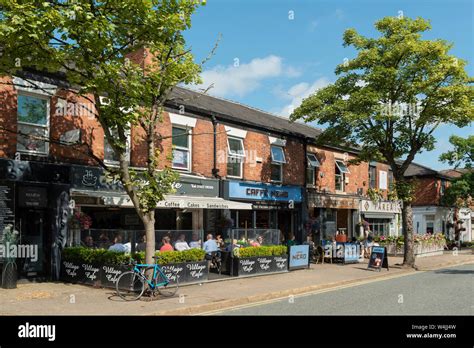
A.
pixel 31 224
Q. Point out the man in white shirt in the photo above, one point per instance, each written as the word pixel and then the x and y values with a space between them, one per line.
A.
pixel 181 244
pixel 118 246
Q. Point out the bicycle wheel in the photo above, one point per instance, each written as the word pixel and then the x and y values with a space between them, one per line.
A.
pixel 130 286
pixel 169 289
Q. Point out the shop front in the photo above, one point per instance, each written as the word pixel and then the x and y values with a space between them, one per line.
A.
pixel 194 206
pixel 34 199
pixel 273 206
pixel 383 218
pixel 333 214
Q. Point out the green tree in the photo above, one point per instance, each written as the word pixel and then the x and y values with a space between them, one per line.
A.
pixel 89 42
pixel 463 152
pixel 390 99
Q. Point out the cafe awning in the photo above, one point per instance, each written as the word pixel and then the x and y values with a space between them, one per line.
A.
pixel 181 202
pixel 379 215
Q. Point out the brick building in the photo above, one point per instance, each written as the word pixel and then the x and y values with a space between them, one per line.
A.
pixel 237 165
pixel 429 214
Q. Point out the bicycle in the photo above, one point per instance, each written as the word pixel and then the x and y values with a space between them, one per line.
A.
pixel 130 285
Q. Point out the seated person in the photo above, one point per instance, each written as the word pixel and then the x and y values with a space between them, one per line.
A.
pixel 291 241
pixel 309 241
pixel 181 243
pixel 88 242
pixel 258 242
pixel 142 245
pixel 117 246
pixel 234 245
pixel 196 242
pixel 210 246
pixel 166 244
pixel 220 241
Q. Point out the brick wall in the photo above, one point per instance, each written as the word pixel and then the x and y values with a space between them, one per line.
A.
pixel 427 192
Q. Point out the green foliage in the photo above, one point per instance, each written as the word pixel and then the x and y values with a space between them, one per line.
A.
pixel 374 194
pixel 460 192
pixel 89 255
pixel 392 96
pixel 103 256
pixel 463 153
pixel 265 250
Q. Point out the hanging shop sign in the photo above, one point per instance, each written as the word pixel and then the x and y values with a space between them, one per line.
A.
pixel 262 192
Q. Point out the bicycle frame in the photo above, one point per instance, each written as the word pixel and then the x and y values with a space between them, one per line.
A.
pixel 156 270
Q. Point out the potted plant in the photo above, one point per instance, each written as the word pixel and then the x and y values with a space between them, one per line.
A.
pixel 10 271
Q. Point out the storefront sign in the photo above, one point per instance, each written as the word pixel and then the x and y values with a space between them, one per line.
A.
pixel 368 206
pixel 32 197
pixel 7 205
pixel 334 202
pixel 262 192
pixel 299 257
pixel 378 258
pixel 464 214
pixel 351 252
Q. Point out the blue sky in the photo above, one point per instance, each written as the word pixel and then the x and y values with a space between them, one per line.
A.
pixel 274 53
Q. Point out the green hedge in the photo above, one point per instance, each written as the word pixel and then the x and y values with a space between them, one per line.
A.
pixel 270 250
pixel 103 256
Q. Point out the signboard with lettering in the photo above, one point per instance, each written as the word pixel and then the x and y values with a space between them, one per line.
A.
pixel 328 201
pixel 32 197
pixel 7 205
pixel 368 206
pixel 351 252
pixel 378 258
pixel 299 257
pixel 262 192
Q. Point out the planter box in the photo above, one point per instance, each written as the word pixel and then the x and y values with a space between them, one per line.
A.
pixel 175 271
pixel 71 272
pixel 109 274
pixel 265 264
pixel 260 265
pixel 196 272
pixel 90 274
pixel 420 250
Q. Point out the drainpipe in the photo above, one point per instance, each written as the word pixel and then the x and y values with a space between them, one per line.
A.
pixel 215 171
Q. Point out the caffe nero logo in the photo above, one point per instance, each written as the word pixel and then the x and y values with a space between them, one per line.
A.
pixel 299 256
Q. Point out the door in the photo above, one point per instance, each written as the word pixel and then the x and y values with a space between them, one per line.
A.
pixel 31 225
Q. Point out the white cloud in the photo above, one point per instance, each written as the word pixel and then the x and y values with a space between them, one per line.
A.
pixel 242 78
pixel 300 91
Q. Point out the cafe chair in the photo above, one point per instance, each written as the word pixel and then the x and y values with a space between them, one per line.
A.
pixel 215 262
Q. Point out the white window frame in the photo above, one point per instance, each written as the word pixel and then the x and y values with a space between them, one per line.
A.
pixel 189 149
pixel 313 163
pixel 240 157
pixel 47 126
pixel 115 163
pixel 342 175
pixel 277 163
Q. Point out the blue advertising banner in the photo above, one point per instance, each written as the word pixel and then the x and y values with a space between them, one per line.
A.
pixel 351 252
pixel 299 257
pixel 263 192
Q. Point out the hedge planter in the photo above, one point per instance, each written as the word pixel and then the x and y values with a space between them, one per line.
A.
pixel 260 265
pixel 109 274
pixel 71 271
pixel 91 274
pixel 175 271
pixel 196 272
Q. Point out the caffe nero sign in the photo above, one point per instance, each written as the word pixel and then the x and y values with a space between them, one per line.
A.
pixel 95 179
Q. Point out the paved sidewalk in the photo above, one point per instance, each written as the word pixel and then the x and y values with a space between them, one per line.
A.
pixel 69 299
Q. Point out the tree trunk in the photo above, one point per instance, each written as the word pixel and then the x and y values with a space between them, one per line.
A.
pixel 407 224
pixel 149 223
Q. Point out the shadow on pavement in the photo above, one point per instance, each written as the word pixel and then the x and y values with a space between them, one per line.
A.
pixel 454 271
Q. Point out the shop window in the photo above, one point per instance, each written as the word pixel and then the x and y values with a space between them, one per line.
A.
pixel 235 157
pixel 313 164
pixel 181 148
pixel 379 227
pixel 429 223
pixel 109 155
pixel 278 159
pixel 33 124
pixel 372 177
pixel 341 170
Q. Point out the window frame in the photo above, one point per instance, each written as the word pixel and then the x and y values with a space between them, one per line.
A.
pixel 112 162
pixel 46 127
pixel 277 163
pixel 311 168
pixel 374 178
pixel 189 149
pixel 239 157
pixel 282 152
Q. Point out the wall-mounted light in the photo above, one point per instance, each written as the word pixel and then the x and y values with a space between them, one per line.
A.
pixel 321 174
